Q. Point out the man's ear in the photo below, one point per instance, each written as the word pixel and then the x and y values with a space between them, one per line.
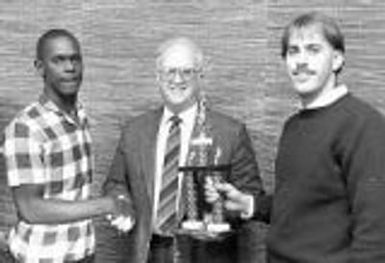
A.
pixel 338 61
pixel 157 76
pixel 39 67
pixel 206 66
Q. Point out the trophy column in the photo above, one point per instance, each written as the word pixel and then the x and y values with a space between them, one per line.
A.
pixel 218 222
pixel 194 175
pixel 191 203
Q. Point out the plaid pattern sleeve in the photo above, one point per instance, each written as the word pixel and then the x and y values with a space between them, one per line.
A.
pixel 43 145
pixel 23 155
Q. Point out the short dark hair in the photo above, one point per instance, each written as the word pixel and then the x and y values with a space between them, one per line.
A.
pixel 52 34
pixel 330 29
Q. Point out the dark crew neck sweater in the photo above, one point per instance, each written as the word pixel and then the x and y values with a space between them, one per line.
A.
pixel 329 203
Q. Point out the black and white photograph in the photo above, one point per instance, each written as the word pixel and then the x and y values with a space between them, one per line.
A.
pixel 192 131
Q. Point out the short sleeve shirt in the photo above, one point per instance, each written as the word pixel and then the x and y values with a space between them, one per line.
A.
pixel 44 145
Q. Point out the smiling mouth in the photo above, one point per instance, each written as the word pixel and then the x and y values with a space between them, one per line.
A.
pixel 301 78
pixel 174 88
pixel 72 80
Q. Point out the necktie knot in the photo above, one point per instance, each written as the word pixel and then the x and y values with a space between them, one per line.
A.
pixel 175 121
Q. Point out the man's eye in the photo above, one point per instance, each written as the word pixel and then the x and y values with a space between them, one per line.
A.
pixel 187 71
pixel 171 71
pixel 58 59
pixel 76 59
pixel 292 51
pixel 314 49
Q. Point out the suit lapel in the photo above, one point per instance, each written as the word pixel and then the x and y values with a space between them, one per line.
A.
pixel 148 151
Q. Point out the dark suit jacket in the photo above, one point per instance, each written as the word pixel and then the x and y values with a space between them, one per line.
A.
pixel 132 173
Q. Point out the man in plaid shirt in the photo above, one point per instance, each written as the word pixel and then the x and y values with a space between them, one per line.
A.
pixel 49 163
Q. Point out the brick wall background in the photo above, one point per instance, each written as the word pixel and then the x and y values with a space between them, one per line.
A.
pixel 246 77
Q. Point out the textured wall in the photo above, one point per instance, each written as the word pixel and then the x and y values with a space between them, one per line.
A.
pixel 245 79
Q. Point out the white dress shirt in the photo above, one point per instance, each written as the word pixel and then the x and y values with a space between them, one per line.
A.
pixel 186 126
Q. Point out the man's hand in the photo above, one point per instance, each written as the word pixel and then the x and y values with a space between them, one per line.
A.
pixel 211 192
pixel 122 217
pixel 234 200
pixel 123 224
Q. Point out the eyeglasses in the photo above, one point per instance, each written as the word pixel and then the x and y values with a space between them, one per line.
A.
pixel 186 74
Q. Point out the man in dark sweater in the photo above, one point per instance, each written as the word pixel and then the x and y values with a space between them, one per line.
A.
pixel 330 167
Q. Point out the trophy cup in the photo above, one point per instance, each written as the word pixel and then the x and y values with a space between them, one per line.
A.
pixel 203 220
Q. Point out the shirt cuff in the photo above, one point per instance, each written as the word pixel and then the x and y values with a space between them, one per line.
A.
pixel 250 208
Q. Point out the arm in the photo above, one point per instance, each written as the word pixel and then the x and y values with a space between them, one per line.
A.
pixel 249 206
pixel 246 178
pixel 34 209
pixel 364 166
pixel 26 176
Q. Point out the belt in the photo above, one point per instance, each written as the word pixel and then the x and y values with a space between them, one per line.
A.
pixel 161 241
pixel 87 259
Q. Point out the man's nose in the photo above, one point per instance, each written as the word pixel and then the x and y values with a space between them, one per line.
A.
pixel 302 58
pixel 178 78
pixel 69 65
pixel 300 65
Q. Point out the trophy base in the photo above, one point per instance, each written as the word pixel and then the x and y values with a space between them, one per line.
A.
pixel 193 225
pixel 218 227
pixel 207 232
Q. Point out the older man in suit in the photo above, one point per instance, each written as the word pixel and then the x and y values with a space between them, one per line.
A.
pixel 142 164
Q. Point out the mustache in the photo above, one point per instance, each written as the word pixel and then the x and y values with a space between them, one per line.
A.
pixel 303 69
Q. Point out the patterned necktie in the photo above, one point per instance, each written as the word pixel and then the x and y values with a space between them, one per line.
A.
pixel 167 208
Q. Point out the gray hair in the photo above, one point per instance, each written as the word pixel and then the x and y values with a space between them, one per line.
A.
pixel 180 41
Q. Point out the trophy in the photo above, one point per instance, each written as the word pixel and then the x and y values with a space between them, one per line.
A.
pixel 203 220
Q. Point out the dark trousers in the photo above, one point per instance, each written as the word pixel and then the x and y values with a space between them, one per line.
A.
pixel 6 256
pixel 185 249
pixel 88 259
pixel 162 250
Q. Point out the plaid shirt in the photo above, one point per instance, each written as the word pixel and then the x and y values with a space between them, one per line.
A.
pixel 43 145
